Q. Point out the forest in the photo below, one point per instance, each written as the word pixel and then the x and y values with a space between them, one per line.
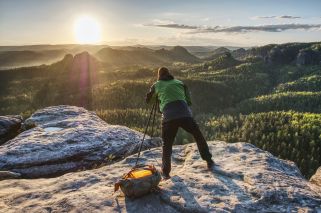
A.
pixel 269 96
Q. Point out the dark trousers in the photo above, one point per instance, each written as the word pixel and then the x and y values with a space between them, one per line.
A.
pixel 169 130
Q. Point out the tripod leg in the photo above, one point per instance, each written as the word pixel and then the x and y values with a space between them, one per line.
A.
pixel 146 128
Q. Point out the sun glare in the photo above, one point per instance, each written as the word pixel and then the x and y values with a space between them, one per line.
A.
pixel 87 30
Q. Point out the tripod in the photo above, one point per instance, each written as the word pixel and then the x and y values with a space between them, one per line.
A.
pixel 152 116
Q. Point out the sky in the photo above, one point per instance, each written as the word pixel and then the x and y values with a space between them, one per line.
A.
pixel 162 22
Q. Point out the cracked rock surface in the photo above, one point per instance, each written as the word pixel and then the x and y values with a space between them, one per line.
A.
pixel 63 139
pixel 246 179
pixel 9 127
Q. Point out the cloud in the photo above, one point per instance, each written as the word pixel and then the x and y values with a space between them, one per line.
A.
pixel 172 14
pixel 277 17
pixel 289 17
pixel 263 17
pixel 238 29
pixel 177 39
pixel 175 26
pixel 263 28
pixel 205 19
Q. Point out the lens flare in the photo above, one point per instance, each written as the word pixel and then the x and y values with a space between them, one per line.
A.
pixel 87 30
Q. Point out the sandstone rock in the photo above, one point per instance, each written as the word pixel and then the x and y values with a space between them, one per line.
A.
pixel 246 179
pixel 275 56
pixel 8 175
pixel 308 57
pixel 316 178
pixel 9 127
pixel 64 139
pixel 239 53
pixel 283 54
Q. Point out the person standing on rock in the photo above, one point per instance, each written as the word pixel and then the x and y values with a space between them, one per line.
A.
pixel 174 103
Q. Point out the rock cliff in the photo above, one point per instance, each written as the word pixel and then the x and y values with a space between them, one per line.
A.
pixel 316 178
pixel 62 139
pixel 9 127
pixel 245 179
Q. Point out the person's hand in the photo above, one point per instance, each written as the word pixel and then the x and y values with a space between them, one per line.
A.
pixel 148 97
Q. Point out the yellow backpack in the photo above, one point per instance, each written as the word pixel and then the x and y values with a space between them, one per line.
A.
pixel 139 181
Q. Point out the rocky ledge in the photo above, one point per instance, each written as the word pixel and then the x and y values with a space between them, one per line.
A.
pixel 63 139
pixel 316 178
pixel 9 127
pixel 246 179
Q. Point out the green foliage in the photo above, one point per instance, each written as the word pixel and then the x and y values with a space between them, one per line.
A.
pixel 216 97
pixel 132 118
pixel 120 95
pixel 316 47
pixel 244 81
pixel 283 74
pixel 288 135
pixel 222 62
pixel 281 54
pixel 298 101
pixel 306 83
pixel 253 59
pixel 137 119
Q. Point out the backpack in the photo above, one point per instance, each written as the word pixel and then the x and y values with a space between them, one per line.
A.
pixel 139 181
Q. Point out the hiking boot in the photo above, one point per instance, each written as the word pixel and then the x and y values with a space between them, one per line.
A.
pixel 210 164
pixel 165 176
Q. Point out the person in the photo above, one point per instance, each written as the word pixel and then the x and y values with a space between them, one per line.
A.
pixel 174 104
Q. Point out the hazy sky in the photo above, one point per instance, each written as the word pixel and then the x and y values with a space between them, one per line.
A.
pixel 183 22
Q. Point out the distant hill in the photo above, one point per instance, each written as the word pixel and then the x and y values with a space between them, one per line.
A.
pixel 144 56
pixel 217 53
pixel 222 61
pixel 70 48
pixel 78 63
pixel 12 59
pixel 35 55
pixel 204 52
pixel 238 53
pixel 288 53
pixel 40 47
pixel 178 53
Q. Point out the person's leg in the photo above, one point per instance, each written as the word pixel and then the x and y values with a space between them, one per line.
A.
pixel 169 130
pixel 189 125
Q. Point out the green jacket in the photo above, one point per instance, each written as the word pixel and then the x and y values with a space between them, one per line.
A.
pixel 167 91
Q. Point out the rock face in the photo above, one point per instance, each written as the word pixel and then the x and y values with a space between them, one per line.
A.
pixel 275 56
pixel 239 53
pixel 308 57
pixel 65 139
pixel 316 178
pixel 8 175
pixel 246 179
pixel 9 127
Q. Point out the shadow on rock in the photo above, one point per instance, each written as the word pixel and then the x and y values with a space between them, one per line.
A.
pixel 181 198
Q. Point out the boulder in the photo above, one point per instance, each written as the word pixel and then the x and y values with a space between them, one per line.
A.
pixel 9 127
pixel 67 138
pixel 316 178
pixel 246 179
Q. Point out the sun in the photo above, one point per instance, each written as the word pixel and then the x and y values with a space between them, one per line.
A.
pixel 87 30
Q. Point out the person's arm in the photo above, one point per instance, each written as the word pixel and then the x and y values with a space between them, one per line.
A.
pixel 188 96
pixel 151 94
